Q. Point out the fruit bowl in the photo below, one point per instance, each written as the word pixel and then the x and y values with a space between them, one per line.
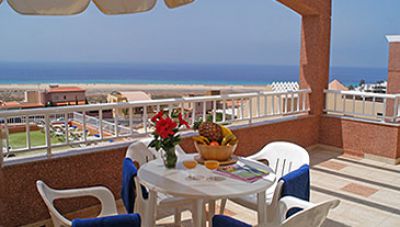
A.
pixel 218 153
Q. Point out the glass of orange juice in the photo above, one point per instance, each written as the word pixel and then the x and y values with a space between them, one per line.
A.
pixel 190 165
pixel 211 165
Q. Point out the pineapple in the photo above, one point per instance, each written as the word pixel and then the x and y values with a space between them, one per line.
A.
pixel 211 131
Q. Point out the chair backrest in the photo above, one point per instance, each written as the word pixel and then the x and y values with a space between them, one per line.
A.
pixel 283 157
pixel 49 195
pixel 140 152
pixel 312 216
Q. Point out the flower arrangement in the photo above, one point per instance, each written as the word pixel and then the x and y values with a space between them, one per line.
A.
pixel 165 135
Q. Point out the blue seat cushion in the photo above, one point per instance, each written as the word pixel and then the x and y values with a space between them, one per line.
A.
pixel 123 220
pixel 225 221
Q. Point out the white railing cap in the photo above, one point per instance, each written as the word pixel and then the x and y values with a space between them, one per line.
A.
pixel 363 93
pixel 393 38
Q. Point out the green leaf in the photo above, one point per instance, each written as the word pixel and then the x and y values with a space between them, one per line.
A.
pixel 153 143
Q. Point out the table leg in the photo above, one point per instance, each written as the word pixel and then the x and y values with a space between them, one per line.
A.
pixel 151 209
pixel 262 209
pixel 198 213
pixel 211 211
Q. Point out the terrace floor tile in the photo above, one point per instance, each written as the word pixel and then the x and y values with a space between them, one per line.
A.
pixel 359 189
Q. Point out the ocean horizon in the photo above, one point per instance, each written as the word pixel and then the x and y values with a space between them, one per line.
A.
pixel 125 73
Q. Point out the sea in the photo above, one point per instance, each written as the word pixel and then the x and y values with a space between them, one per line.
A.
pixel 126 73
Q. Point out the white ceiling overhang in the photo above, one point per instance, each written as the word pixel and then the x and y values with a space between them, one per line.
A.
pixel 71 7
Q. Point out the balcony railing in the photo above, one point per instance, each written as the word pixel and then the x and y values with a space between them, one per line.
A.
pixel 363 105
pixel 47 130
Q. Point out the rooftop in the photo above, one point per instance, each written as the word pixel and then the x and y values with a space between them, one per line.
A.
pixel 19 105
pixel 64 89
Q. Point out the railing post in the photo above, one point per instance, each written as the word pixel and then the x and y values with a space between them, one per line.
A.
pixel 233 111
pixel 258 105
pixel 384 109
pixel 66 128
pixel 193 113
pixel 224 110
pixel 1 146
pixel 84 126
pixel 145 118
pixel 204 111
pixel 27 132
pixel 48 136
pixel 214 111
pixel 250 111
pixel 101 124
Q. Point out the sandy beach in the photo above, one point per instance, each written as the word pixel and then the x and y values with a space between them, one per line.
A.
pixel 144 87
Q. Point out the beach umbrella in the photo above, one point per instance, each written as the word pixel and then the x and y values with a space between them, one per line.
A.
pixel 71 7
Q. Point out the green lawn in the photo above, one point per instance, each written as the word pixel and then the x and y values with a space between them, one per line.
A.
pixel 18 140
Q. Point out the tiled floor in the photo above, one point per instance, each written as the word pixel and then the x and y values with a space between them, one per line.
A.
pixel 369 192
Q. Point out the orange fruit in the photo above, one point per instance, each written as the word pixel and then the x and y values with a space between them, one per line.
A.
pixel 214 143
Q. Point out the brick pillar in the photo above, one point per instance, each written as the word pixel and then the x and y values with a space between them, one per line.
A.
pixel 393 85
pixel 315 48
pixel 314 59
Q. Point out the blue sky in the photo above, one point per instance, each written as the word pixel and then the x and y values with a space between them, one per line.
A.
pixel 208 31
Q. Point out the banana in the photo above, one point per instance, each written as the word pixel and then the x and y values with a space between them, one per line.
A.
pixel 233 141
pixel 226 131
pixel 229 139
pixel 201 139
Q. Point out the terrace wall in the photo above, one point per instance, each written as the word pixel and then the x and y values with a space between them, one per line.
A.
pixel 361 138
pixel 21 203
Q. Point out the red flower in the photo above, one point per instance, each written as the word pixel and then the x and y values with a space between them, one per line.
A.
pixel 157 117
pixel 165 127
pixel 182 121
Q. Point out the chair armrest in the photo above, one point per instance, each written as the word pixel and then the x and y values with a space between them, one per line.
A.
pixel 288 202
pixel 103 194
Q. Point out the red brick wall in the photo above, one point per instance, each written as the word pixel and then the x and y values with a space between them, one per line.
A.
pixel 21 200
pixel 359 138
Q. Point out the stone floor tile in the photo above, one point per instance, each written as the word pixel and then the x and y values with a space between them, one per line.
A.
pixel 333 165
pixel 327 180
pixel 360 189
pixel 391 221
pixel 362 216
pixel 390 198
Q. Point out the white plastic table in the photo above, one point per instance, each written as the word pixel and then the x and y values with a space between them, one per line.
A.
pixel 157 178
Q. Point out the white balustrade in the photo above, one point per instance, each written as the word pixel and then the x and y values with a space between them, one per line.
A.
pixel 69 126
pixel 363 105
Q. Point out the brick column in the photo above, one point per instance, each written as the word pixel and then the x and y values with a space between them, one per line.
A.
pixel 314 59
pixel 393 85
pixel 315 48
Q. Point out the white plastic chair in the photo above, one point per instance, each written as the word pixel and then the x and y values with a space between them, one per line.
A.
pixel 283 157
pixel 166 204
pixel 108 206
pixel 311 215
